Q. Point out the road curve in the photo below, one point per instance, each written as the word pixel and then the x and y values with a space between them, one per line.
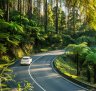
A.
pixel 43 76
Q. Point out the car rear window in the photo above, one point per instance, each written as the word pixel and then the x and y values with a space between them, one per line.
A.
pixel 25 58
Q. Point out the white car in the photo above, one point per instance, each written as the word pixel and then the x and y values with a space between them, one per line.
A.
pixel 26 60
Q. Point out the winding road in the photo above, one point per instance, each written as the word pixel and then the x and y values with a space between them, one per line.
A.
pixel 42 74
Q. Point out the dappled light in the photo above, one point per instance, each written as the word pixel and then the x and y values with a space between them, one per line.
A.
pixel 37 65
pixel 50 76
pixel 41 69
pixel 47 31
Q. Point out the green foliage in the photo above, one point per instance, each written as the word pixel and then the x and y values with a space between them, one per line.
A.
pixel 50 17
pixel 66 67
pixel 4 25
pixel 15 28
pixel 55 39
pixel 67 39
pixel 73 21
pixel 62 22
pixel 27 86
pixel 91 57
pixel 76 48
pixel 11 27
pixel 3 49
pixel 32 23
pixel 24 20
pixel 36 15
pixel 5 75
pixel 85 39
pixel 89 40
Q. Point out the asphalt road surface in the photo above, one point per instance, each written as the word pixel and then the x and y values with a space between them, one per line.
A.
pixel 42 75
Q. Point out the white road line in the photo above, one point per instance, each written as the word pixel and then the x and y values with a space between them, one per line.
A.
pixel 33 78
pixel 54 71
pixel 65 78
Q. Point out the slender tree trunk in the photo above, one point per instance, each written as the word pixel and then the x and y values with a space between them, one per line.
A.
pixel 78 69
pixel 68 27
pixel 30 8
pixel 20 11
pixel 1 5
pixel 7 10
pixel 24 7
pixel 73 10
pixel 51 4
pixel 57 17
pixel 74 16
pixel 39 10
pixel 35 3
pixel 88 74
pixel 18 5
pixel 94 73
pixel 45 8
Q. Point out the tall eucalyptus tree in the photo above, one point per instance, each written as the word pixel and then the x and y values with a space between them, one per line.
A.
pixel 86 9
pixel 45 14
pixel 30 8
pixel 7 17
pixel 56 24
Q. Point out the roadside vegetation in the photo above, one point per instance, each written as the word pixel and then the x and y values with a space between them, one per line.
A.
pixel 32 26
pixel 79 67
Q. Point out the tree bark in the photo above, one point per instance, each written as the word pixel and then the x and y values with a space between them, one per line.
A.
pixel 45 8
pixel 57 17
pixel 30 9
pixel 73 11
pixel 1 5
pixel 94 73
pixel 20 11
pixel 7 10
pixel 78 68
pixel 88 74
pixel 39 11
pixel 18 5
pixel 24 7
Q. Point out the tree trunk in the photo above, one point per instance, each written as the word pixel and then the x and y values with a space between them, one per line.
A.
pixel 60 3
pixel 1 5
pixel 7 10
pixel 30 8
pixel 45 8
pixel 88 74
pixel 68 26
pixel 73 10
pixel 24 7
pixel 20 11
pixel 51 4
pixel 57 17
pixel 94 73
pixel 18 5
pixel 39 11
pixel 78 68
